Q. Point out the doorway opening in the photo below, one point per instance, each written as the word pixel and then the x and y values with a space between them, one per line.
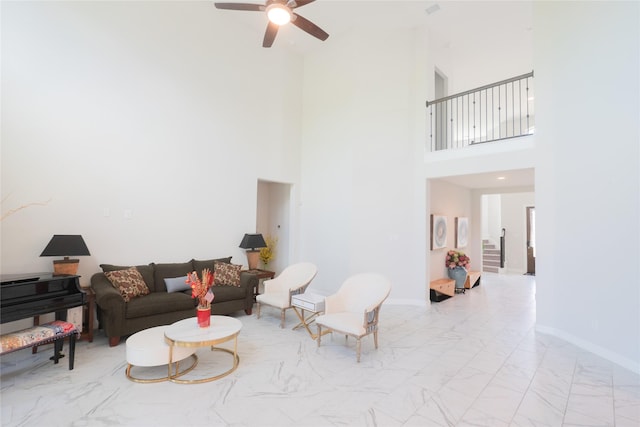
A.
pixel 440 117
pixel 531 240
pixel 273 221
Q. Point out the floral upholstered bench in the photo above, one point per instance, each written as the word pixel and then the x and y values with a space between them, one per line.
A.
pixel 54 332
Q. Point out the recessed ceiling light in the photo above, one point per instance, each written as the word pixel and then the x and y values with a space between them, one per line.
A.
pixel 501 178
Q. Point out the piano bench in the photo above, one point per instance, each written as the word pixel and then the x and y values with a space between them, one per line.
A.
pixel 54 332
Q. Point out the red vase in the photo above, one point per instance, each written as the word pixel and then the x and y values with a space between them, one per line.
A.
pixel 204 317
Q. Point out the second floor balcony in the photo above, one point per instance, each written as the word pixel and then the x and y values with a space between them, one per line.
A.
pixel 493 112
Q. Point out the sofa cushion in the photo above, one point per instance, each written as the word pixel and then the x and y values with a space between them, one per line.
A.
pixel 227 274
pixel 159 303
pixel 176 284
pixel 145 270
pixel 162 271
pixel 227 293
pixel 199 265
pixel 129 282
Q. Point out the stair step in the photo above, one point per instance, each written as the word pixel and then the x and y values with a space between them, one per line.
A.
pixel 490 269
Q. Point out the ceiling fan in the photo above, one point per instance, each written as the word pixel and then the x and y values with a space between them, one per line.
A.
pixel 279 12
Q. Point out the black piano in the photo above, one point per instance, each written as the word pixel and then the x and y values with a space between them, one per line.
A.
pixel 30 295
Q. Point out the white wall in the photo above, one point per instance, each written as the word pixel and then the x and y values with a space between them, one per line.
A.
pixel 362 197
pixel 274 220
pixel 493 219
pixel 451 201
pixel 514 215
pixel 587 57
pixel 146 107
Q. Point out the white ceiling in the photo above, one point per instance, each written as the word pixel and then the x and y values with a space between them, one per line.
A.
pixel 465 27
pixel 455 23
pixel 495 180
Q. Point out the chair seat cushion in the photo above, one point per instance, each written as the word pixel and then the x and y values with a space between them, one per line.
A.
pixel 275 299
pixel 350 323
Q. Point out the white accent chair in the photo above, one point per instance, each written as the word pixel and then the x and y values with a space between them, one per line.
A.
pixel 292 281
pixel 354 310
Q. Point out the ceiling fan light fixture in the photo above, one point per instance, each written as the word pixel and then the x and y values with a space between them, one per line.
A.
pixel 279 14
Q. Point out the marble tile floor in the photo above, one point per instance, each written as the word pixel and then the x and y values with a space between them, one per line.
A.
pixel 473 360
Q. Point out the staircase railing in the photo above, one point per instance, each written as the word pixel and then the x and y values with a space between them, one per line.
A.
pixel 489 113
pixel 502 247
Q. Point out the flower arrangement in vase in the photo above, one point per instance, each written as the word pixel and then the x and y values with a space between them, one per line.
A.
pixel 457 259
pixel 269 252
pixel 201 289
pixel 457 264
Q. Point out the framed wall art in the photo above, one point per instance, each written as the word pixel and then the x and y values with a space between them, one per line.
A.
pixel 462 231
pixel 438 232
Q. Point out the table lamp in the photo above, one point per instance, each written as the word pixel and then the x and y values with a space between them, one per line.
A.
pixel 252 243
pixel 66 245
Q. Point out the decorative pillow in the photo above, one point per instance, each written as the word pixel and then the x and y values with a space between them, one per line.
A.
pixel 176 284
pixel 145 270
pixel 129 282
pixel 227 274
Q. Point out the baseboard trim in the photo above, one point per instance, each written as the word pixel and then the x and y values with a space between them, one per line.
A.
pixel 616 358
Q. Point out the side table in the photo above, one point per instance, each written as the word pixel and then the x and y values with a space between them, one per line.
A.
pixel 311 302
pixel 88 313
pixel 260 274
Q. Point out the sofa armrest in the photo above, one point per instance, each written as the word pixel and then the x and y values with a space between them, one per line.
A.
pixel 249 282
pixel 108 298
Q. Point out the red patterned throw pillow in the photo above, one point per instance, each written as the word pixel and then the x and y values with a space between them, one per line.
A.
pixel 227 274
pixel 129 282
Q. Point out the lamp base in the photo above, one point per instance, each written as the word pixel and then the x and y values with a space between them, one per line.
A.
pixel 65 266
pixel 252 259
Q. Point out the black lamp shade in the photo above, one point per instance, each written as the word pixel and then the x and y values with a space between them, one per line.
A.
pixel 253 241
pixel 66 245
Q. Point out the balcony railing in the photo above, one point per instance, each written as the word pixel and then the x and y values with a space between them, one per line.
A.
pixel 489 113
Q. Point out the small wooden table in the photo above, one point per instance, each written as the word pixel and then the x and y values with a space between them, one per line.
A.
pixel 441 289
pixel 260 274
pixel 473 279
pixel 88 313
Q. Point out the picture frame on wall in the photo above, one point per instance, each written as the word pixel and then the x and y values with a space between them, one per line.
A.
pixel 462 231
pixel 438 231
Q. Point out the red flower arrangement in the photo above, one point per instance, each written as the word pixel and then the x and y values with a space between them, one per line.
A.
pixel 457 259
pixel 201 289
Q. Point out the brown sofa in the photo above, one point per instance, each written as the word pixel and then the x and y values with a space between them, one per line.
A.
pixel 119 318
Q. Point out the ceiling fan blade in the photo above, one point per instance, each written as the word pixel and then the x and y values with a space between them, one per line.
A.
pixel 305 25
pixel 299 3
pixel 270 34
pixel 240 6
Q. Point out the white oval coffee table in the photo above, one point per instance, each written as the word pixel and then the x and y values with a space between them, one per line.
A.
pixel 187 333
pixel 148 348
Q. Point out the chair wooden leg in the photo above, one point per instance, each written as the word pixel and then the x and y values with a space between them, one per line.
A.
pixel 319 334
pixel 358 350
pixel 375 338
pixel 257 310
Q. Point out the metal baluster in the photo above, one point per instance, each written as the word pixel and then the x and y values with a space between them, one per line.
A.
pixel 513 110
pixel 486 114
pixel 431 128
pixel 528 126
pixel 474 118
pixel 520 102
